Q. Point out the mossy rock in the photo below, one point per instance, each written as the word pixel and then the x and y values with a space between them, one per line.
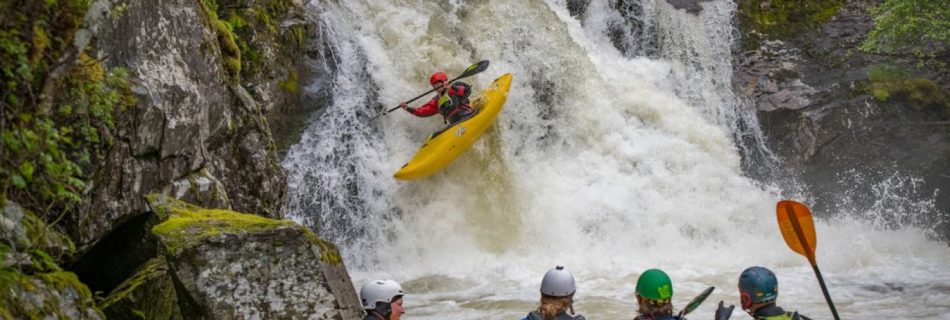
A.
pixel 233 265
pixel 893 85
pixel 27 233
pixel 148 294
pixel 187 225
pixel 780 19
pixel 227 41
pixel 57 295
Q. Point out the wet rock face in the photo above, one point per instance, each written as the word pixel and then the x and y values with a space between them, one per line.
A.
pixel 194 134
pixel 238 266
pixel 691 6
pixel 852 151
pixel 769 75
pixel 577 7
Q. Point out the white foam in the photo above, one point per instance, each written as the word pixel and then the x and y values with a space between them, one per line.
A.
pixel 616 169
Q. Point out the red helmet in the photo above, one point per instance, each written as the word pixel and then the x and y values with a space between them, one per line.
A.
pixel 438 76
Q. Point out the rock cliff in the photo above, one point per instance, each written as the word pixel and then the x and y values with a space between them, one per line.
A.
pixel 205 80
pixel 840 118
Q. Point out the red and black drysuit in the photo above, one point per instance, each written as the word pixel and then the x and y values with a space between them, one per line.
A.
pixel 453 108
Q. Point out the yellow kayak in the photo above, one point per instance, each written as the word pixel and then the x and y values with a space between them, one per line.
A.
pixel 447 144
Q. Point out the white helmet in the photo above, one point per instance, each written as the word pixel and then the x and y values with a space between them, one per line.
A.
pixel 558 283
pixel 379 291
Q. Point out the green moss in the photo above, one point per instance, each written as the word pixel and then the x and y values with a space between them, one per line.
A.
pixel 883 72
pixel 230 51
pixel 62 280
pixel 328 251
pixel 880 94
pixel 188 225
pixel 779 19
pixel 46 285
pixel 148 270
pixel 290 84
pixel 887 83
pixel 148 294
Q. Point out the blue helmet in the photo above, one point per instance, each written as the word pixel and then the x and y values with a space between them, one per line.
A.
pixel 757 285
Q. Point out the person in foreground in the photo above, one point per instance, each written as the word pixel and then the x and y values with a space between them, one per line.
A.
pixel 758 292
pixel 382 300
pixel 557 297
pixel 451 102
pixel 654 296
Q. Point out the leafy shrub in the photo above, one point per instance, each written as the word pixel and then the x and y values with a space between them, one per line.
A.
pixel 59 105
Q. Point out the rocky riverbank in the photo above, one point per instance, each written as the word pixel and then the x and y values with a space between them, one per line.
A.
pixel 206 81
pixel 838 117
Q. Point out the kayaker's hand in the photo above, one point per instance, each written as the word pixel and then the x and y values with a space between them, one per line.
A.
pixel 404 106
pixel 723 313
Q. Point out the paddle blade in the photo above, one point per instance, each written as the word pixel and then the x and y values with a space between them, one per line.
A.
pixel 798 229
pixel 474 69
pixel 698 300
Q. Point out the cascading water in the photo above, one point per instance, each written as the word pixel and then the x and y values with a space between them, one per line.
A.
pixel 604 162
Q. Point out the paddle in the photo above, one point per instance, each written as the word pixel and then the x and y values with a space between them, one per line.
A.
pixel 470 71
pixel 798 229
pixel 698 300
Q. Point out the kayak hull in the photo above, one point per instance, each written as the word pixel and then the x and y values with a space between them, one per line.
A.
pixel 445 146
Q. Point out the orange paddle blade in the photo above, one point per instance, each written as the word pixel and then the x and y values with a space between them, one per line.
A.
pixel 798 229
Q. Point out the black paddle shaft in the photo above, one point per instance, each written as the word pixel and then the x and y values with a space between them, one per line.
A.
pixel 824 289
pixel 470 71
pixel 698 300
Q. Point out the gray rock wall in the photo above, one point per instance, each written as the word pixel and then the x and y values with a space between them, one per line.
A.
pixel 195 134
pixel 853 152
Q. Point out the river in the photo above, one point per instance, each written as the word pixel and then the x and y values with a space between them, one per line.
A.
pixel 605 161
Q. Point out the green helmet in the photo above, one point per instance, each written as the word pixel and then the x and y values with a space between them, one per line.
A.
pixel 655 285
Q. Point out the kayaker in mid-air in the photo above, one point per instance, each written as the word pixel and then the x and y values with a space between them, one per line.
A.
pixel 451 101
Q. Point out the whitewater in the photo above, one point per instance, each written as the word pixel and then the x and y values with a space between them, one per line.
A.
pixel 605 161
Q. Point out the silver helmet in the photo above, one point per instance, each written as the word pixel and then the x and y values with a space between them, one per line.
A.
pixel 379 291
pixel 558 283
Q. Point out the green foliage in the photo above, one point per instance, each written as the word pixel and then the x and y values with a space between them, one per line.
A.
pixel 888 83
pixel 779 19
pixel 922 26
pixel 880 73
pixel 230 51
pixel 47 141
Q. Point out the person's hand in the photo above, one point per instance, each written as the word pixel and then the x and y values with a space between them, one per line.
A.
pixel 723 313
pixel 404 106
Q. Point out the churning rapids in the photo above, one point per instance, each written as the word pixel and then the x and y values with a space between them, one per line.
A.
pixel 607 161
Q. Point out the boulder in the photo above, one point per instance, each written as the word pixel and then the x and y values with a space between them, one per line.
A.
pixel 32 285
pixel 22 232
pixel 233 265
pixel 50 295
pixel 149 294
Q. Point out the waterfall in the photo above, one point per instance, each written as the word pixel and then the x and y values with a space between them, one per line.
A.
pixel 610 157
